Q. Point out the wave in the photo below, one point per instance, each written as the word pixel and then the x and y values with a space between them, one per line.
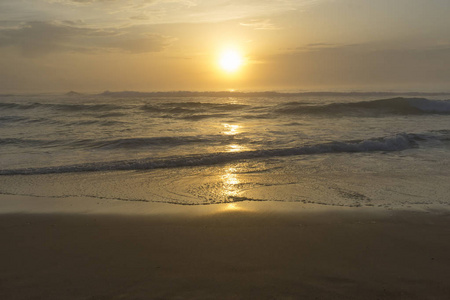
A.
pixel 193 111
pixel 191 107
pixel 181 110
pixel 11 119
pixel 61 107
pixel 375 107
pixel 27 142
pixel 12 105
pixel 202 110
pixel 395 143
pixel 121 143
pixel 132 143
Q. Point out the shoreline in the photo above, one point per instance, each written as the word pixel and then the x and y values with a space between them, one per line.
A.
pixel 31 204
pixel 242 251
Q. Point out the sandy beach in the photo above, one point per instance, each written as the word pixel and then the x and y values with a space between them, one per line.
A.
pixel 238 251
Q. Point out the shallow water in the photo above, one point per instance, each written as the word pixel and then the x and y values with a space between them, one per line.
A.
pixel 330 149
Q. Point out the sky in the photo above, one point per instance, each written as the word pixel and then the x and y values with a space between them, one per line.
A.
pixel 167 45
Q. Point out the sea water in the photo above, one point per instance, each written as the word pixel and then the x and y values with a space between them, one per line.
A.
pixel 332 149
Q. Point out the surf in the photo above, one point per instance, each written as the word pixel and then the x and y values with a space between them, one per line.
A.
pixel 397 142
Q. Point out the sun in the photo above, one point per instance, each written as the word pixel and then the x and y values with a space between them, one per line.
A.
pixel 230 60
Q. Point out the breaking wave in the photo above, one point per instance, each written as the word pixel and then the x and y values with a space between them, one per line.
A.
pixel 194 111
pixel 375 107
pixel 120 143
pixel 394 143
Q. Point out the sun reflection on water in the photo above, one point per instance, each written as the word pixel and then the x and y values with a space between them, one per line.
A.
pixel 230 183
pixel 231 129
pixel 235 148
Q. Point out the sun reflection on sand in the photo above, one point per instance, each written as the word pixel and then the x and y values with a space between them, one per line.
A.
pixel 232 206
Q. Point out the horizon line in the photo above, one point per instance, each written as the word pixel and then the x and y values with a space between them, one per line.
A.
pixel 225 93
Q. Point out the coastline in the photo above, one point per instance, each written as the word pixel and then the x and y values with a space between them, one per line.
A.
pixel 238 251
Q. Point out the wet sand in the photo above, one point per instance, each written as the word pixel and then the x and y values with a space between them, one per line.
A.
pixel 242 251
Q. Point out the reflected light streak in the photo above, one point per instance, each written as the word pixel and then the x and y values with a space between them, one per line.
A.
pixel 230 183
pixel 231 129
pixel 232 206
pixel 235 148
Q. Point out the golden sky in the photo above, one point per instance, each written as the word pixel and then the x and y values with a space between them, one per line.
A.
pixel 160 45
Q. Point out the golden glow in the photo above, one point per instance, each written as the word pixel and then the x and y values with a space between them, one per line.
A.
pixel 230 183
pixel 230 60
pixel 231 129
pixel 235 148
pixel 232 206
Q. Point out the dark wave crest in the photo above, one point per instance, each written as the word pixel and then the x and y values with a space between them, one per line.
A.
pixel 61 107
pixel 191 107
pixel 120 143
pixel 394 143
pixel 402 106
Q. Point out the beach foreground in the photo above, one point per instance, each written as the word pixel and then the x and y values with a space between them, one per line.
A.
pixel 238 251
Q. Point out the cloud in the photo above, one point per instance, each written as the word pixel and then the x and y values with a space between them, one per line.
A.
pixel 320 45
pixel 41 38
pixel 259 24
pixel 125 3
pixel 36 38
pixel 80 1
pixel 110 13
pixel 147 43
pixel 356 64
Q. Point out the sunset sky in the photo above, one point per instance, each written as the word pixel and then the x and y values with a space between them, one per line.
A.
pixel 163 45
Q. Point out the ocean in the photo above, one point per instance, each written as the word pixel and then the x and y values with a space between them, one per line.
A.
pixel 202 148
